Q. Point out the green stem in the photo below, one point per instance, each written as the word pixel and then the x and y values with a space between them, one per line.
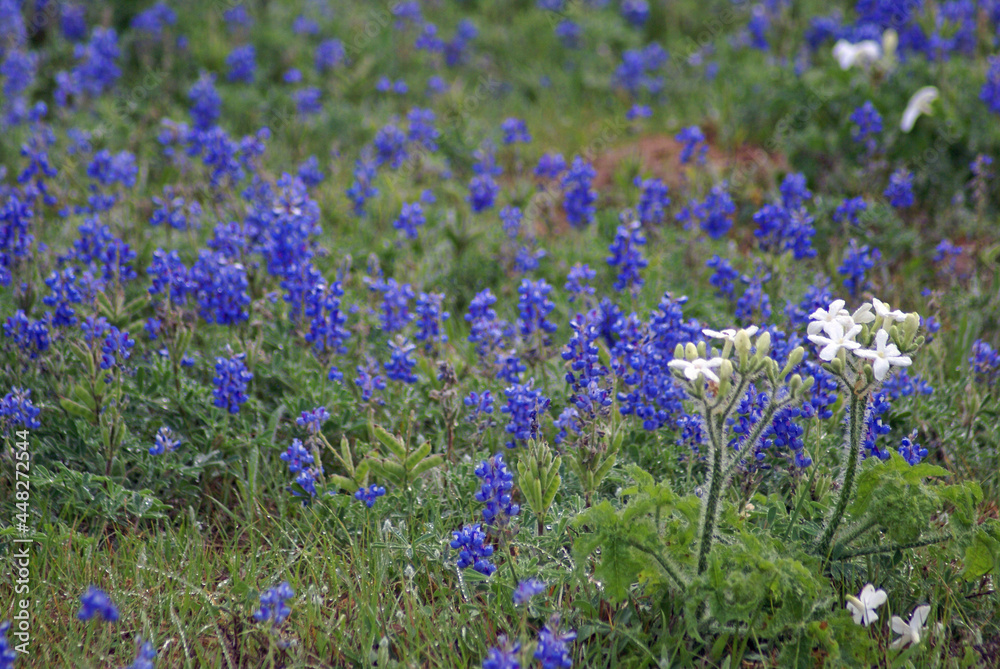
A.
pixel 875 550
pixel 671 570
pixel 857 422
pixel 857 532
pixel 711 507
pixel 798 505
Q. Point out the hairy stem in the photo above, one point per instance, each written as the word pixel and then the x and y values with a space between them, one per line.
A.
pixel 857 423
pixel 875 550
pixel 671 570
pixel 716 480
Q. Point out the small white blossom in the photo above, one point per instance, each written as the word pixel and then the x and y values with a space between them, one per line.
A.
pixel 884 310
pixel 729 334
pixel 821 317
pixel 863 53
pixel 863 606
pixel 863 314
pixel 836 339
pixel 883 355
pixel 912 630
pixel 698 366
pixel 919 104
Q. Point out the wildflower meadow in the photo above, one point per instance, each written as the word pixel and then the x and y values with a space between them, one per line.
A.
pixel 499 333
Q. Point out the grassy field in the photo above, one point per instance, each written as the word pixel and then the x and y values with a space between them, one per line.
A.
pixel 373 232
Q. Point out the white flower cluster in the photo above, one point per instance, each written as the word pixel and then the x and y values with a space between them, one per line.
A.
pixel 863 607
pixel 835 329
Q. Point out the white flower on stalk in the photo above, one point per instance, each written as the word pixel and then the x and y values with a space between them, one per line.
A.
pixel 919 104
pixel 883 355
pixel 729 334
pixel 883 309
pixel 836 339
pixel 863 606
pixel 863 53
pixel 912 630
pixel 862 315
pixel 698 366
pixel 821 317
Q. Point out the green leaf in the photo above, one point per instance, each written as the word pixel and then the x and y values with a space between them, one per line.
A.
pixel 76 409
pixel 418 455
pixel 982 556
pixel 427 464
pixel 391 442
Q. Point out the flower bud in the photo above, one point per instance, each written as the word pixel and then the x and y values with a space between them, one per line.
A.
pixel 910 327
pixel 702 350
pixel 764 344
pixel 794 358
pixel 725 377
pixel 794 383
pixel 690 352
pixel 838 366
pixel 679 351
pixel 742 344
pixel 869 373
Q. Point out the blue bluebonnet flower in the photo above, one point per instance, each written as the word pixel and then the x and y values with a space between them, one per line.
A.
pixel 714 215
pixel 505 655
pixel 310 173
pixel 116 348
pixel 857 261
pixel 578 196
pixel 292 75
pixel 329 54
pixel 242 64
pixel 758 26
pixel 509 366
pixel 164 442
pixel 637 70
pixel 307 101
pixel 724 277
pixel 16 237
pixel 985 362
pixel 96 602
pixel 408 11
pixel 567 421
pixel 220 287
pixel 694 141
pixel 370 381
pixel 900 189
pixel 867 126
pixel 154 19
pixel 515 130
pixel 478 404
pixel 422 130
pixel 990 92
pixel 96 69
pixel 949 254
pixel 638 111
pixel 411 216
pixel 206 105
pixel 400 365
pixel 436 85
pixel 175 211
pixel 911 450
pixel 569 33
pixel 498 481
pixel 472 549
pixel 73 22
pixel 298 457
pixel 794 192
pixel 430 318
pixel 534 306
pixel 653 201
pixel 878 405
pixel 483 191
pixel 231 382
pixel 65 291
pixel 849 210
pixel 237 17
pixel 326 329
pixel 486 331
pixel 313 420
pixel 31 337
pixel 145 654
pixel 550 166
pixel 455 50
pixel 578 282
pixel 303 25
pixel 755 305
pixel 524 404
pixel 16 409
pixel 635 12
pixel 272 604
pixel 369 495
pixel 627 256
pixel 901 384
pixel 510 218
pixel 527 589
pixel 362 189
pixel 387 85
pixel 782 229
pixel 170 276
pixel 428 39
pixel 395 312
pixel 553 646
